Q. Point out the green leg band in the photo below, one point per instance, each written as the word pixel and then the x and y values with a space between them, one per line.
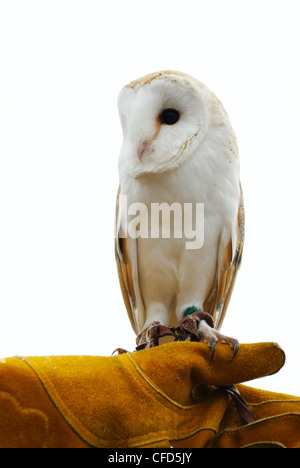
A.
pixel 190 310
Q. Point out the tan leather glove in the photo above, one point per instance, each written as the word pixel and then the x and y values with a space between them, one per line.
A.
pixel 167 395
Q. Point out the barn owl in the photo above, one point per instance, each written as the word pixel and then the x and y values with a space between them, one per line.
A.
pixel 179 151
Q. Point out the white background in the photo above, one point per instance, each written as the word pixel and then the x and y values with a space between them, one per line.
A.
pixel 62 65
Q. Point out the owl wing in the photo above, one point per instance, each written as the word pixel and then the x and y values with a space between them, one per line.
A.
pixel 229 259
pixel 126 259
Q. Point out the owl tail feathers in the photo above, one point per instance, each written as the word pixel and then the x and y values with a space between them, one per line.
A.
pixel 105 401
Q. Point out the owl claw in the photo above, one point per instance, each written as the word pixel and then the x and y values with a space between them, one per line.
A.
pixel 213 348
pixel 119 351
pixel 212 337
pixel 199 326
pixel 235 349
pixel 149 336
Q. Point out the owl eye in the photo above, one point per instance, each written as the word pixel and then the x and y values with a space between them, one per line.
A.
pixel 169 116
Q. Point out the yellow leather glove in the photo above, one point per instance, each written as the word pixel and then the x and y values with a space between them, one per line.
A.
pixel 162 396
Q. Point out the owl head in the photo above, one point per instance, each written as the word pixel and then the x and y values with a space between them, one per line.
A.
pixel 165 117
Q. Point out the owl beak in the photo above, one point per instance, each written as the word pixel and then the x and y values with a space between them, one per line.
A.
pixel 143 148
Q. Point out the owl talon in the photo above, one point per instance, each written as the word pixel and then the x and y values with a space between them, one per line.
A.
pixel 149 336
pixel 213 348
pixel 235 349
pixel 212 337
pixel 119 351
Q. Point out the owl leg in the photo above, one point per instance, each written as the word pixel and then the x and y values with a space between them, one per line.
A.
pixel 212 337
pixel 200 327
pixel 150 335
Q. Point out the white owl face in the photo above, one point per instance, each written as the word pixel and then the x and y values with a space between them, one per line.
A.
pixel 164 118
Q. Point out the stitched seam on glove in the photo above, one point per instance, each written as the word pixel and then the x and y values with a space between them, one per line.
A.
pixel 152 384
pixel 259 422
